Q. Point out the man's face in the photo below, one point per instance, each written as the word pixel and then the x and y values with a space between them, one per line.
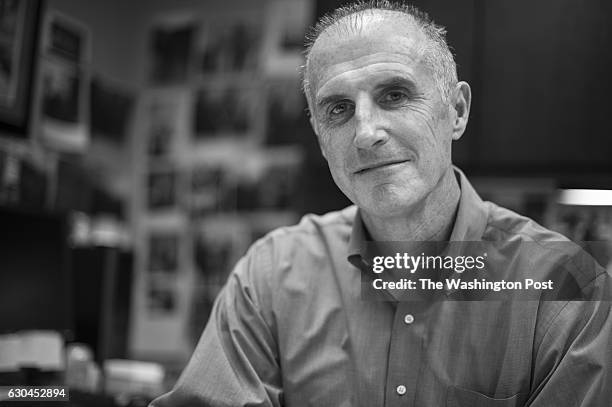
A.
pixel 382 124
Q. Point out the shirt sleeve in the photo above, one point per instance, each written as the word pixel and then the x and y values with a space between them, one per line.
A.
pixel 236 360
pixel 573 362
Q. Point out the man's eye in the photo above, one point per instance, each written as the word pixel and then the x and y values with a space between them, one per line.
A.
pixel 394 97
pixel 339 109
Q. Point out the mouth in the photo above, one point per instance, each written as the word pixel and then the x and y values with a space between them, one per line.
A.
pixel 379 165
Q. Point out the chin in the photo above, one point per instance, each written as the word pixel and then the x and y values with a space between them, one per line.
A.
pixel 388 198
pixel 390 205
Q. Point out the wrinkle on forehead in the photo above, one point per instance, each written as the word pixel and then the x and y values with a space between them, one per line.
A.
pixel 393 64
pixel 386 31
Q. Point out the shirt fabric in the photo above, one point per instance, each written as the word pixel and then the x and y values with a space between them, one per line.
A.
pixel 290 328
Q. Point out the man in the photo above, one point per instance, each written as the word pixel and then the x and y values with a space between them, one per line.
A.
pixel 291 327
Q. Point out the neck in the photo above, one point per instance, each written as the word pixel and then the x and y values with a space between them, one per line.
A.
pixel 429 220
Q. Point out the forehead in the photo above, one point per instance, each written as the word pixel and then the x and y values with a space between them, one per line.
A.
pixel 363 42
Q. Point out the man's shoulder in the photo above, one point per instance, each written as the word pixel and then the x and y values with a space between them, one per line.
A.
pixel 504 224
pixel 542 252
pixel 313 236
pixel 313 227
pixel 288 254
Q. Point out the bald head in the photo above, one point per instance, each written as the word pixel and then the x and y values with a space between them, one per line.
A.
pixel 358 20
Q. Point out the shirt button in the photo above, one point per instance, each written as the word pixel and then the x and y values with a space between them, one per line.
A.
pixel 408 319
pixel 401 389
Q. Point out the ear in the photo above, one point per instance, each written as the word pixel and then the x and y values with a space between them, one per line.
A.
pixel 460 103
pixel 313 124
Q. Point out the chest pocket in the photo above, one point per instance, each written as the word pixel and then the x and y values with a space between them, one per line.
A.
pixel 460 397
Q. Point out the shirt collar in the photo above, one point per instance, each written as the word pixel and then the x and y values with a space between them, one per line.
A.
pixel 472 214
pixel 357 241
pixel 470 223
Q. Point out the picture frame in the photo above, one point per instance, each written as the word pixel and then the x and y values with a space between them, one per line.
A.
pixel 162 299
pixel 19 31
pixel 209 192
pixel 228 47
pixel 163 251
pixel 171 47
pixel 286 24
pixel 64 84
pixel 66 39
pixel 162 128
pixel 64 106
pixel 162 190
pixel 225 110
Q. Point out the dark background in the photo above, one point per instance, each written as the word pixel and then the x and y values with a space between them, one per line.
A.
pixel 540 78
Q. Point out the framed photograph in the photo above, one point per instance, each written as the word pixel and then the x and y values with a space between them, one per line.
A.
pixel 286 25
pixel 64 106
pixel 227 110
pixel 572 214
pixel 171 50
pixel 161 190
pixel 19 22
pixel 61 85
pixel 66 38
pixel 161 140
pixel 161 299
pixel 65 84
pixel 163 252
pixel 209 192
pixel 228 47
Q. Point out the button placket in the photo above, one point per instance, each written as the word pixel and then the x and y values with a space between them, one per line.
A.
pixel 405 355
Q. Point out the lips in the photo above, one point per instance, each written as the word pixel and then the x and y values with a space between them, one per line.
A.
pixel 379 164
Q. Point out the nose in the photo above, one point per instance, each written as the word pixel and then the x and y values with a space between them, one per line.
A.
pixel 368 132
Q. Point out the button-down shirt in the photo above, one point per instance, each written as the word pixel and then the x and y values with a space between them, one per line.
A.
pixel 291 328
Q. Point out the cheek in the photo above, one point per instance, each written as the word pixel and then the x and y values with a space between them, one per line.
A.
pixel 334 147
pixel 434 138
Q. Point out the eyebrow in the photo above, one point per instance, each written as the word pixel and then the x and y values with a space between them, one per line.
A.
pixel 330 99
pixel 394 81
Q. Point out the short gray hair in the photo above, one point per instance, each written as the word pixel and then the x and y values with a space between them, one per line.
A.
pixel 437 52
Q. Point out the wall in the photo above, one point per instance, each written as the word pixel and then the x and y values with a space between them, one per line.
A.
pixel 168 332
pixel 115 26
